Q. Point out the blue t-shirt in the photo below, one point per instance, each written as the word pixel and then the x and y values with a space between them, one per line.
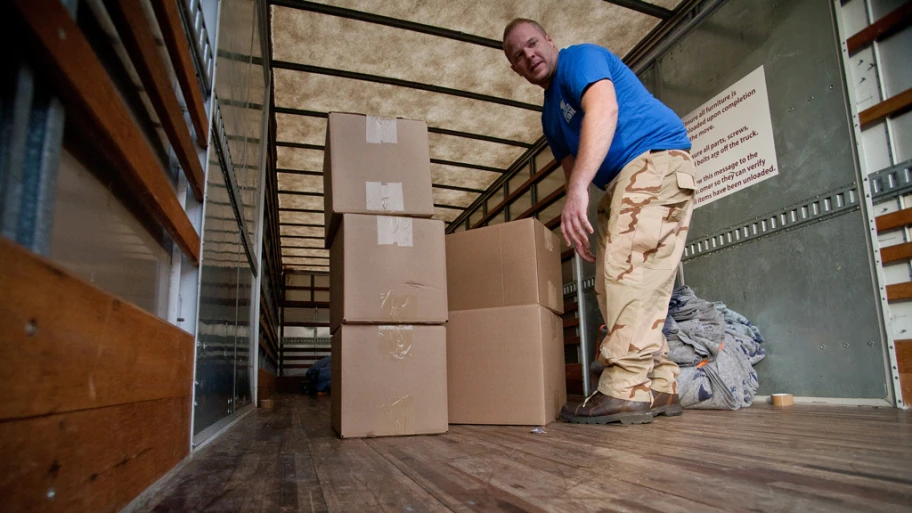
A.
pixel 644 123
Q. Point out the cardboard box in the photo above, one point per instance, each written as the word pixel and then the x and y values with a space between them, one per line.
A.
pixel 388 270
pixel 505 366
pixel 389 380
pixel 515 263
pixel 373 165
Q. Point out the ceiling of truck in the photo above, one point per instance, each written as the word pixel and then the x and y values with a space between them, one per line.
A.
pixel 435 61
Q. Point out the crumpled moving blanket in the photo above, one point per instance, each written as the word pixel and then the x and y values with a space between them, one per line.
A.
pixel 716 349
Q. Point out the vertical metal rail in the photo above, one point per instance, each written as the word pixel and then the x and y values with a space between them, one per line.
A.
pixel 32 120
pixel 581 311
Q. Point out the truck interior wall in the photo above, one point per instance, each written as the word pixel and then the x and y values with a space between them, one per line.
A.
pixel 811 290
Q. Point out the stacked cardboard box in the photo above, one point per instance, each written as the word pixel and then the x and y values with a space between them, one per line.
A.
pixel 505 350
pixel 387 279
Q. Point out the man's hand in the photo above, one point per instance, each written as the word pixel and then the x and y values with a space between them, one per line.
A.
pixel 575 222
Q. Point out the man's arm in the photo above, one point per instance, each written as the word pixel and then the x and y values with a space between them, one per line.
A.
pixel 596 133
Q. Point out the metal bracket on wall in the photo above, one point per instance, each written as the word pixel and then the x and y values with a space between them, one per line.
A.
pixel 220 140
pixel 588 286
pixel 891 182
pixel 195 26
pixel 819 208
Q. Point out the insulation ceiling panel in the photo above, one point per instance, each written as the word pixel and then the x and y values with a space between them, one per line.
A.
pixel 302 243
pixel 301 218
pixel 322 93
pixel 454 198
pixel 312 130
pixel 300 129
pixel 470 151
pixel 362 47
pixel 446 214
pixel 371 52
pixel 306 261
pixel 306 231
pixel 462 177
pixel 302 252
pixel 308 268
pixel 292 182
pixel 569 22
pixel 299 158
pixel 305 202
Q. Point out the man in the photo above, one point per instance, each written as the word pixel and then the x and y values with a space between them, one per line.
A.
pixel 605 128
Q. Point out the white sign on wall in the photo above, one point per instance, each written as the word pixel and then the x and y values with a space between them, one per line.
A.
pixel 732 137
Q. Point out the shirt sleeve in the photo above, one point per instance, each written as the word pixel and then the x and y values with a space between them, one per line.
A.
pixel 586 65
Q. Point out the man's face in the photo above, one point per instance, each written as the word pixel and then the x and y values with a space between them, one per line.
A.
pixel 532 54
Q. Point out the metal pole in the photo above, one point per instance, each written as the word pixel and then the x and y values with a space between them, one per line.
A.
pixel 581 310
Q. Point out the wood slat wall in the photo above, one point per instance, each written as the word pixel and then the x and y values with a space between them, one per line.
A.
pixel 886 26
pixel 136 32
pixel 169 22
pixel 266 384
pixel 904 362
pixel 892 106
pixel 62 53
pixel 97 391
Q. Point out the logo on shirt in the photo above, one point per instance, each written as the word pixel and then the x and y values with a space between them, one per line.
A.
pixel 567 110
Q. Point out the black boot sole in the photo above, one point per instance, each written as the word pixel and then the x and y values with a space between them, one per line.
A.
pixel 622 418
pixel 673 410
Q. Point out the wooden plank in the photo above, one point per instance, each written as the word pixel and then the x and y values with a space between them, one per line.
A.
pixel 571 341
pixel 892 106
pixel 68 345
pixel 893 220
pixel 266 384
pixel 896 253
pixel 136 33
pixel 521 189
pixel 571 323
pixel 570 307
pixel 899 292
pixel 756 459
pixel 880 29
pixel 356 477
pixel 177 42
pixel 261 464
pixel 904 355
pixel 544 203
pixel 92 97
pixel 93 460
pixel 567 255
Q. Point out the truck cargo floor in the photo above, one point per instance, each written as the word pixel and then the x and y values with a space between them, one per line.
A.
pixel 804 458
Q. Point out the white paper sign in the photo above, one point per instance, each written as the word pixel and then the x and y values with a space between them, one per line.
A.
pixel 732 137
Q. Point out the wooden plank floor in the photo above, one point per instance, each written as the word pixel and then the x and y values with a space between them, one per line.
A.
pixel 804 459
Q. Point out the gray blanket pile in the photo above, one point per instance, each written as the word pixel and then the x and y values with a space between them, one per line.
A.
pixel 716 349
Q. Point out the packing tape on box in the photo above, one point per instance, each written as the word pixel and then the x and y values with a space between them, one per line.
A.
pixel 552 295
pixel 398 308
pixel 396 340
pixel 384 197
pixel 394 231
pixel 381 130
pixel 549 239
pixel 397 415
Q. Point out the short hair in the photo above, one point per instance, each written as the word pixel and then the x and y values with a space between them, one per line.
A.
pixel 516 22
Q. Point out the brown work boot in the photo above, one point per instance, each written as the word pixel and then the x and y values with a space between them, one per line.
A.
pixel 666 404
pixel 604 409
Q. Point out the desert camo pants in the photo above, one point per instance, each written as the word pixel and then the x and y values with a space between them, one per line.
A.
pixel 642 228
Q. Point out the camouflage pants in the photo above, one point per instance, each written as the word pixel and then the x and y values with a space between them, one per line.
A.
pixel 642 228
